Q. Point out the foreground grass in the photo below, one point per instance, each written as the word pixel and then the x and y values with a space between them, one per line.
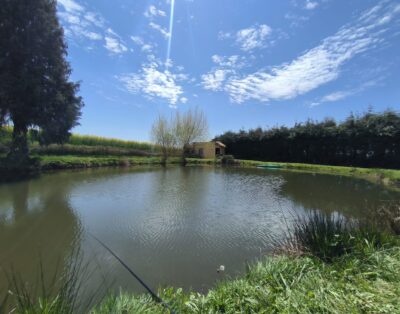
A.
pixel 337 266
pixel 357 283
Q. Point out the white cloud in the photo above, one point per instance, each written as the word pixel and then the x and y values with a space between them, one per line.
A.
pixel 152 11
pixel 88 27
pixel 313 68
pixel 253 37
pixel 145 47
pixel 155 83
pixel 113 43
pixel 161 29
pixel 336 96
pixel 226 66
pixel 224 35
pixel 342 94
pixel 311 5
pixel 137 40
pixel 214 80
pixel 71 6
pixel 296 20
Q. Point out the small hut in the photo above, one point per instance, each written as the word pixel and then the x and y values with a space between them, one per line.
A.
pixel 209 150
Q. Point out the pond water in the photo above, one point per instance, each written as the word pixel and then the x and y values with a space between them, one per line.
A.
pixel 173 226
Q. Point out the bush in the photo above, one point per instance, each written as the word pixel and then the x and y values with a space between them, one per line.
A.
pixel 328 237
pixel 228 160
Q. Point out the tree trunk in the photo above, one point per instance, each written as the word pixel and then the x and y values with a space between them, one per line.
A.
pixel 19 152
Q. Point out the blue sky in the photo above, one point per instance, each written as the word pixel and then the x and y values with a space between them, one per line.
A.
pixel 246 63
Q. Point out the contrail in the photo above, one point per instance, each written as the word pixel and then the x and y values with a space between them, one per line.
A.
pixel 171 28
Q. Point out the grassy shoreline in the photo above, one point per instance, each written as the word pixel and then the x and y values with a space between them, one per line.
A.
pixel 363 278
pixel 368 283
pixel 387 177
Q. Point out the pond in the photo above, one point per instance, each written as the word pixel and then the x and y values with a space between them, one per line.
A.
pixel 173 226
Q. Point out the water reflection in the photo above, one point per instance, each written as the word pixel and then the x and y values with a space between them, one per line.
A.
pixel 37 226
pixel 174 226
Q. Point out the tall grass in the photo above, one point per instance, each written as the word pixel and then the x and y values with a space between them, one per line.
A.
pixel 87 140
pixel 59 295
pixel 83 150
pixel 329 237
pixel 86 143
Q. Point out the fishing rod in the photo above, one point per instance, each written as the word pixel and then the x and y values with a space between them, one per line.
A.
pixel 152 293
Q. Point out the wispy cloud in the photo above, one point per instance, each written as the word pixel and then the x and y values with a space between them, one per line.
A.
pixel 145 47
pixel 249 38
pixel 163 31
pixel 152 11
pixel 225 66
pixel 83 25
pixel 71 6
pixel 311 5
pixel 316 66
pixel 79 22
pixel 113 43
pixel 154 82
pixel 342 94
pixel 253 37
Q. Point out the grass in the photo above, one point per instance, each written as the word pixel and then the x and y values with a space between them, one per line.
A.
pixel 82 150
pixel 72 162
pixel 388 177
pixel 86 140
pixel 362 278
pixel 83 145
pixel 280 284
pixel 342 268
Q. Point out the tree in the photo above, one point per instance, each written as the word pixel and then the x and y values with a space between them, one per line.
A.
pixel 189 127
pixel 163 135
pixel 368 140
pixel 35 90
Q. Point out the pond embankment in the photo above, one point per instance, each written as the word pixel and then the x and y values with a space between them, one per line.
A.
pixel 387 177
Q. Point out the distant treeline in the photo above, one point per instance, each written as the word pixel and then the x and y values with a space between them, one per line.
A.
pixel 368 140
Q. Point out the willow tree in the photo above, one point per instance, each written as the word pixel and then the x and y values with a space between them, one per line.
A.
pixel 163 135
pixel 35 89
pixel 190 126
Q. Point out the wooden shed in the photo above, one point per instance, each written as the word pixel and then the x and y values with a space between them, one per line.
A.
pixel 209 150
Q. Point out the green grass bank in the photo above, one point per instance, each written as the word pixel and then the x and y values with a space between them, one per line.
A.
pixel 357 283
pixel 366 280
pixel 387 177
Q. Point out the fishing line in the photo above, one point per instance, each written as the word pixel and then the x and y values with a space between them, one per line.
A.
pixel 152 293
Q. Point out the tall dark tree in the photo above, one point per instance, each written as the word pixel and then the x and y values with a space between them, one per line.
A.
pixel 35 90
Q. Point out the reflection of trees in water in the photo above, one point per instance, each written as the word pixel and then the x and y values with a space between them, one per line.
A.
pixel 352 197
pixel 41 230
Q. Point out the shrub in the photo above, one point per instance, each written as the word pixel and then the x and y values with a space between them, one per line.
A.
pixel 328 237
pixel 228 160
